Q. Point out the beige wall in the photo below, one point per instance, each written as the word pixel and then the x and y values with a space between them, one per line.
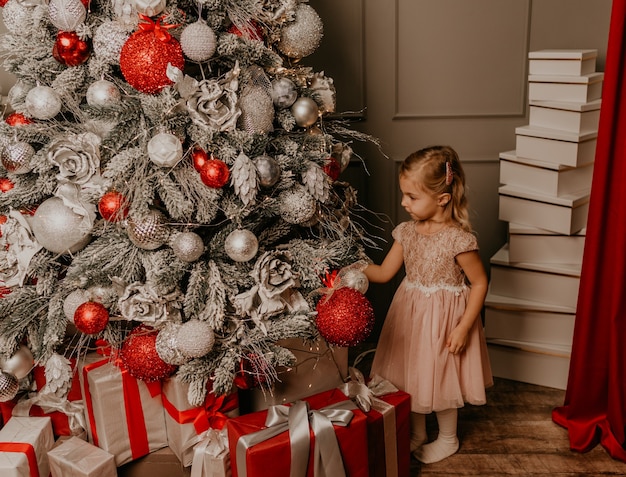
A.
pixel 444 71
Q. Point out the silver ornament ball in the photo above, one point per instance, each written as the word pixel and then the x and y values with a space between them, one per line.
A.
pixel 195 338
pixel 150 8
pixel 57 227
pixel 198 41
pixel 16 17
pixel 284 92
pixel 20 364
pixel 108 41
pixel 268 170
pixel 296 205
pixel 149 232
pixel 353 278
pixel 9 386
pixel 305 111
pixel 67 15
pixel 241 245
pixel 302 37
pixel 166 345
pixel 42 102
pixel 103 94
pixel 73 301
pixel 187 246
pixel 165 150
pixel 257 110
pixel 16 156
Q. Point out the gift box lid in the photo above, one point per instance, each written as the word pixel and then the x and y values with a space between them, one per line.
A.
pixel 563 54
pixel 511 156
pixel 562 351
pixel 546 133
pixel 494 300
pixel 501 258
pixel 567 200
pixel 583 79
pixel 568 105
pixel 521 229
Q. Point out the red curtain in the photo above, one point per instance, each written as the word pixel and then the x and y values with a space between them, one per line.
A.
pixel 594 410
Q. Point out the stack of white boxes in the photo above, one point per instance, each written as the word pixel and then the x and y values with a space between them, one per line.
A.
pixel 544 196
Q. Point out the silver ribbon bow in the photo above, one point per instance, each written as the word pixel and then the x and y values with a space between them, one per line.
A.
pixel 296 418
pixel 48 402
pixel 212 443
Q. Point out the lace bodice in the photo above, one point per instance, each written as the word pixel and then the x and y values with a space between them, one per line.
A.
pixel 429 259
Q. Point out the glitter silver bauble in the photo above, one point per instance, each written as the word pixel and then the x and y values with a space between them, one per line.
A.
pixel 16 156
pixel 42 102
pixel 165 150
pixel 257 110
pixel 353 278
pixel 198 41
pixel 305 112
pixel 108 41
pixel 17 95
pixel 284 92
pixel 149 232
pixel 302 37
pixel 187 246
pixel 73 301
pixel 16 17
pixel 195 338
pixel 241 245
pixel 20 364
pixel 296 205
pixel 268 170
pixel 103 94
pixel 166 345
pixel 57 227
pixel 150 8
pixel 67 15
pixel 9 386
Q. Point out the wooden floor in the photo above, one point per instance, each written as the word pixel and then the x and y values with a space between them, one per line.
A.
pixel 513 434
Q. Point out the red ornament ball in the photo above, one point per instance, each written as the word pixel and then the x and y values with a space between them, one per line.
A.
pixel 139 355
pixel 69 49
pixel 215 173
pixel 3 2
pixel 345 318
pixel 91 317
pixel 199 157
pixel 144 58
pixel 332 168
pixel 5 184
pixel 17 119
pixel 113 207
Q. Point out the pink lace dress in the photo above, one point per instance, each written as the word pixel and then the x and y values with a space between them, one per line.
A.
pixel 411 351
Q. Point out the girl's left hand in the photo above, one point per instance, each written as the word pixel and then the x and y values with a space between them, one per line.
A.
pixel 457 340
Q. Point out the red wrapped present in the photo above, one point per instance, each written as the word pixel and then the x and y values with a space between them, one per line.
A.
pixel 388 412
pixel 187 424
pixel 124 415
pixel 325 434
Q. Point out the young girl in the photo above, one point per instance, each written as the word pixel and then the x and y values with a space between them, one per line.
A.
pixel 432 344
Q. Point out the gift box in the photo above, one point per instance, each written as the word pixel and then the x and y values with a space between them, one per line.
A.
pixel 124 415
pixel 77 458
pixel 388 412
pixel 24 446
pixel 185 423
pixel 324 429
pixel 211 456
pixel 160 463
pixel 562 62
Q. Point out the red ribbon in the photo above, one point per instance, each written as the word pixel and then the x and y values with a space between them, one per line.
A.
pixel 159 29
pixel 24 448
pixel 210 415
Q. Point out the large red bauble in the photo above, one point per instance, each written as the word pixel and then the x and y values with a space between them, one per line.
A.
pixel 199 157
pixel 139 355
pixel 91 317
pixel 215 173
pixel 17 119
pixel 144 59
pixel 113 207
pixel 69 49
pixel 345 317
pixel 5 184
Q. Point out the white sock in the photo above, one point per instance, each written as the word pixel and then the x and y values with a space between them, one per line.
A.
pixel 446 443
pixel 418 430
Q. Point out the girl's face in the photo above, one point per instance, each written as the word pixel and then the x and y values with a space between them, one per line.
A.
pixel 421 204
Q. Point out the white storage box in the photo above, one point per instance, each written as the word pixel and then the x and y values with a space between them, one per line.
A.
pixel 555 147
pixel 562 62
pixel 564 215
pixel 530 363
pixel 529 244
pixel 553 284
pixel 544 177
pixel 579 89
pixel 565 116
pixel 529 325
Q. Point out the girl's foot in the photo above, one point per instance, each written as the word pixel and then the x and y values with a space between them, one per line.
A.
pixel 437 450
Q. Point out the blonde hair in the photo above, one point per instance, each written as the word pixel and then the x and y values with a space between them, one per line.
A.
pixel 438 170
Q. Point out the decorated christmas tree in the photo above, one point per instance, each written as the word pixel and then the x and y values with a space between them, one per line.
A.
pixel 170 185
